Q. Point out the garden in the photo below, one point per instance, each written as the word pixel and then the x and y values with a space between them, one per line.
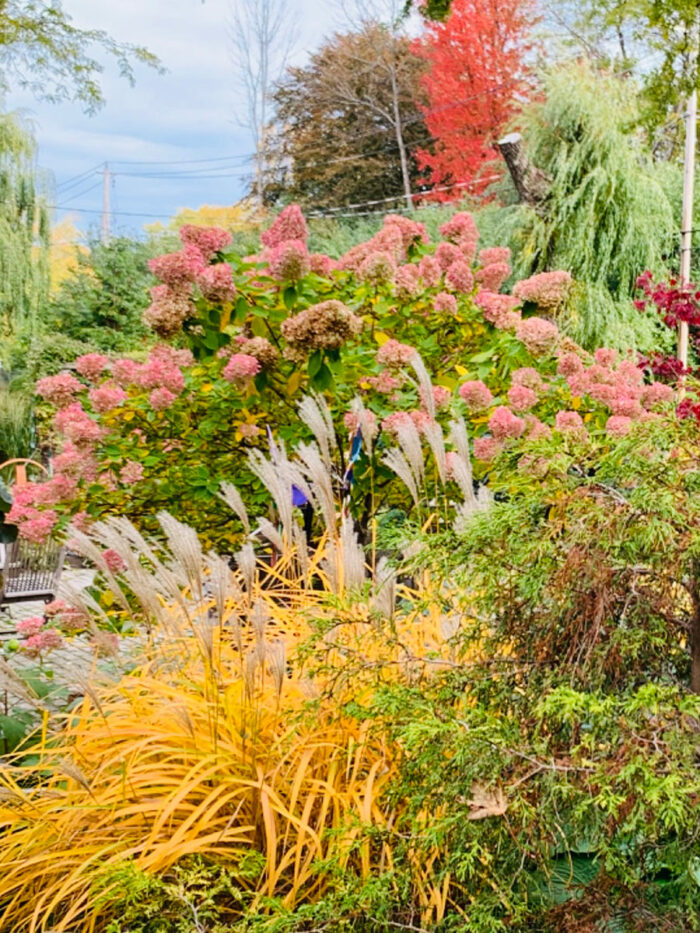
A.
pixel 387 534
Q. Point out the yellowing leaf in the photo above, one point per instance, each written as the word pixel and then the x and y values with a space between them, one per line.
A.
pixel 381 337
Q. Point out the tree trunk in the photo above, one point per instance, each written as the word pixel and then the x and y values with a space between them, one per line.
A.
pixel 695 631
pixel 400 142
pixel 530 182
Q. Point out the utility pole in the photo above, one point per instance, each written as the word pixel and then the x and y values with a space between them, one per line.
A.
pixel 105 204
pixel 691 120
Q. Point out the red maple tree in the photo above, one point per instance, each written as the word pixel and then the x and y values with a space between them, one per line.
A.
pixel 475 83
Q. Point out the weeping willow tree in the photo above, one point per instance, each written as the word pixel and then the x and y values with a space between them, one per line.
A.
pixel 24 231
pixel 608 214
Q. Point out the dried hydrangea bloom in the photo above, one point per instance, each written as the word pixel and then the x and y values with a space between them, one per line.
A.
pixel 168 309
pixel 325 326
pixel 538 335
pixel 289 261
pixel 377 269
pixel 570 364
pixel 498 310
pixel 570 422
pixel 411 231
pixel 321 264
pixel 407 282
pixel 260 347
pixel 547 290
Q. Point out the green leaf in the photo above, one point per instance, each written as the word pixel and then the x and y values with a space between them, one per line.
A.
pixel 14 728
pixel 315 363
pixel 289 296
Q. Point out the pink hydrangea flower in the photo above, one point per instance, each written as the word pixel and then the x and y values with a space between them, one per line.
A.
pixel 498 309
pixel 126 372
pixel 625 402
pixel 106 397
pixel 91 366
pixel 629 372
pixel 248 430
pixel 492 276
pixel 570 422
pixel 59 488
pixel 494 254
pixel 289 225
pixel 53 608
pixel 539 336
pixel 208 240
pixel 131 473
pixel 618 425
pixel 28 627
pixel 459 277
pixel 430 271
pixel 161 399
pixel 411 230
pixel 441 397
pixel 322 265
pixel 158 372
pixel 504 424
pixel 536 430
pixel 487 448
pixel 178 269
pixel 352 422
pixel 172 355
pixel 39 528
pixel 75 463
pixel 75 423
pixel 605 357
pixel 240 368
pixel 60 390
pixel 392 422
pixel 445 303
pixel 395 355
pixel 420 418
pixel 216 283
pixel 521 398
pixel 462 230
pixel 81 520
pixel 476 395
pixel 114 561
pixel 657 394
pixel 570 364
pixel 42 641
pixel 548 290
pixel 446 254
pixel 289 261
pixel 527 376
pixel 407 281
pixel 384 383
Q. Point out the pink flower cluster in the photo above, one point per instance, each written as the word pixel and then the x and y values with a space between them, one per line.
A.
pixel 498 310
pixel 539 336
pixel 161 399
pixel 476 395
pixel 441 397
pixel 494 254
pixel 521 398
pixel 208 240
pixel 445 303
pixel 407 281
pixel 547 290
pixel 503 424
pixel 377 268
pixel 178 269
pixel 241 368
pixel 322 265
pixel 45 640
pixel 131 473
pixel 410 230
pixel 288 225
pixel 395 355
pixel 570 422
pixel 75 424
pixel 459 277
pixel 169 307
pixel 59 390
pixel 91 366
pixel 114 561
pixel 384 383
pixel 462 230
pixel 289 261
pixel 106 397
pixel 492 276
pixel 216 283
pixel 430 271
pixel 446 254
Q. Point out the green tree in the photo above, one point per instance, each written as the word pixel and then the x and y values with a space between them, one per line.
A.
pixel 43 52
pixel 102 302
pixel 24 231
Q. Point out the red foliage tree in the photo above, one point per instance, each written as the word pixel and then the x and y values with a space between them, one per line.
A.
pixel 476 81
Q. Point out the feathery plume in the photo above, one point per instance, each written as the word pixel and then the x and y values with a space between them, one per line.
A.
pixel 234 501
pixel 316 415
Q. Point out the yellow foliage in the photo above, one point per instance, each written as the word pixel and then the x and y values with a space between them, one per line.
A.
pixel 234 217
pixel 65 248
pixel 208 747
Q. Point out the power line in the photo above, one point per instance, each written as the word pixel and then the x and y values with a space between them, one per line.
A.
pixel 80 194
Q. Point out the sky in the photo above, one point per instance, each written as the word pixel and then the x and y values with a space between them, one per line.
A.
pixel 189 113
